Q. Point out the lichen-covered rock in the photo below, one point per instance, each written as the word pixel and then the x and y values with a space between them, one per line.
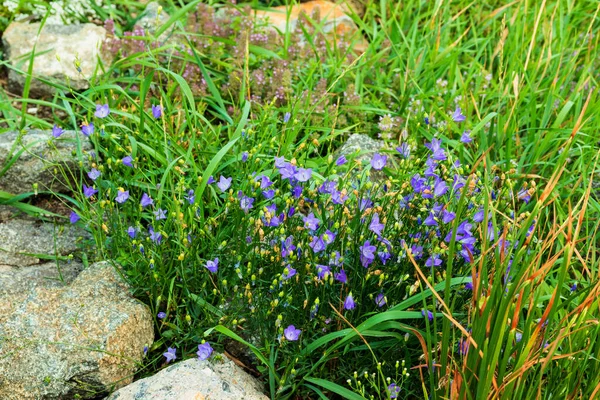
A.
pixel 361 143
pixel 153 18
pixel 43 160
pixel 68 55
pixel 195 380
pixel 21 240
pixel 82 340
pixel 336 23
pixel 17 282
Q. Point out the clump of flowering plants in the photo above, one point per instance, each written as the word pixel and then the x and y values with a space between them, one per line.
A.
pixel 302 261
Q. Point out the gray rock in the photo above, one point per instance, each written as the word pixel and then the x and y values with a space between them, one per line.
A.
pixel 44 160
pixel 82 340
pixel 21 240
pixel 17 282
pixel 195 380
pixel 151 19
pixel 360 143
pixel 68 55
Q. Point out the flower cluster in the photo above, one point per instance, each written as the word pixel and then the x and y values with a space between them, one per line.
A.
pixel 290 250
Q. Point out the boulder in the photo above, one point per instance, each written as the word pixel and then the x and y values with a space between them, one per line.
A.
pixel 336 23
pixel 74 342
pixel 24 242
pixel 42 159
pixel 195 380
pixel 17 282
pixel 66 54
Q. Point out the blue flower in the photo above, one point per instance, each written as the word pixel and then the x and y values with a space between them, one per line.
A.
pixel 102 111
pixel 122 196
pixel 74 217
pixel 394 390
pixel 156 111
pixel 311 222
pixel 89 191
pixel 291 333
pixel 573 287
pixel 524 195
pixel 376 226
pixel 146 200
pixel 430 220
pixel 436 147
pixel 323 271
pixel 448 216
pixel 94 174
pixel 132 232
pixel 303 174
pixel 380 300
pixel 466 138
pixel 160 214
pixel 128 161
pixel 265 182
pixel 87 129
pixel 190 196
pixel 204 351
pixel 317 244
pixel 433 261
pixel 57 131
pixel 224 183
pixel 367 254
pixel 288 273
pixel 341 277
pixel 340 161
pixel 440 188
pixel 404 150
pixel 349 303
pixel 378 161
pixel 170 354
pixel 427 314
pixel 212 265
pixel 297 191
pixel 457 115
pixel 246 203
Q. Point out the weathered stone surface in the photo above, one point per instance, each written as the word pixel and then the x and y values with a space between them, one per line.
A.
pixel 81 340
pixel 336 23
pixel 40 155
pixel 19 236
pixel 68 54
pixel 195 380
pixel 362 143
pixel 17 282
pixel 153 17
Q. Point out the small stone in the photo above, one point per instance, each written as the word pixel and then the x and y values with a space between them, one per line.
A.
pixel 76 341
pixel 194 379
pixel 337 24
pixel 153 18
pixel 68 55
pixel 39 161
pixel 362 143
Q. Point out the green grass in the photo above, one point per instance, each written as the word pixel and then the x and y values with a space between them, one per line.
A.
pixel 525 74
